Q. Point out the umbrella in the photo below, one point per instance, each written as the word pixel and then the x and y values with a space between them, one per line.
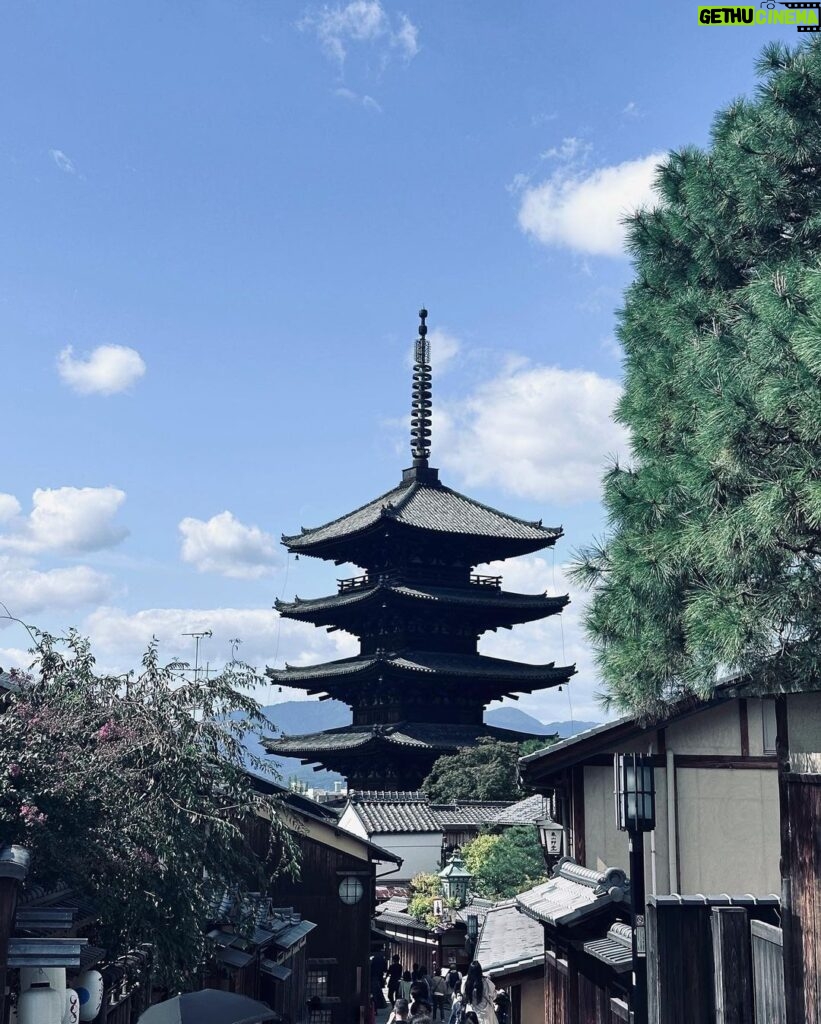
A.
pixel 210 1006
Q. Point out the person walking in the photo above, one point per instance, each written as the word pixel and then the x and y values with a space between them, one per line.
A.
pixel 479 992
pixel 379 966
pixel 405 985
pixel 394 977
pixel 457 1006
pixel 439 991
pixel 400 1012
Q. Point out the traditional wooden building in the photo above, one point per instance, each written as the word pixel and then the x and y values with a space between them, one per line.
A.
pixel 418 687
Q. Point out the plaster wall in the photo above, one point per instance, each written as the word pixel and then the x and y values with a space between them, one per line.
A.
pixel 728 831
pixel 351 822
pixel 533 1001
pixel 804 722
pixel 420 851
pixel 713 731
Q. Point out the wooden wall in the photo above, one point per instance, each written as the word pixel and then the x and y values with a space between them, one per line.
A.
pixel 803 976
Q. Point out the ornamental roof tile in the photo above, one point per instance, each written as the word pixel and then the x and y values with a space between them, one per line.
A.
pixel 509 940
pixel 573 893
pixel 427 506
pixel 429 662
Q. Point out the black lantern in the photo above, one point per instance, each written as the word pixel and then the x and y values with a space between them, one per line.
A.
pixel 635 793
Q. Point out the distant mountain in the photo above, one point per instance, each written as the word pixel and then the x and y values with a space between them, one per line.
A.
pixel 513 718
pixel 294 717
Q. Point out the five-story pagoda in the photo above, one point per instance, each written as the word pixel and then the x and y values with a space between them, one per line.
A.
pixel 418 687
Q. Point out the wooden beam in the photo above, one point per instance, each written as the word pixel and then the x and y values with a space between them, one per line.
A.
pixel 732 959
pixel 744 727
pixel 577 790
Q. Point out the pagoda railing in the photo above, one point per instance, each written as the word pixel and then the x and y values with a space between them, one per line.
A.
pixel 366 580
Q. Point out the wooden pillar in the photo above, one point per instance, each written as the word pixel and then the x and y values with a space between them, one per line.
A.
pixel 732 959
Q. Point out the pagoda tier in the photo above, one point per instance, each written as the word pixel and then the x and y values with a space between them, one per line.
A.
pixel 398 756
pixel 418 688
pixel 384 606
pixel 423 522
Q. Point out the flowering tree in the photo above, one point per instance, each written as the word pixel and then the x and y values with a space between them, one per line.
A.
pixel 134 790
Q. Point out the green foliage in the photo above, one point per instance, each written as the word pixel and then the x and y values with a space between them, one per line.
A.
pixel 424 889
pixel 488 771
pixel 135 793
pixel 503 865
pixel 712 561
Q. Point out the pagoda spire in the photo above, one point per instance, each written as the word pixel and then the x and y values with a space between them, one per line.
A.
pixel 421 405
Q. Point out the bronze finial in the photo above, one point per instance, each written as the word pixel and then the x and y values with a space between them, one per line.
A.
pixel 421 405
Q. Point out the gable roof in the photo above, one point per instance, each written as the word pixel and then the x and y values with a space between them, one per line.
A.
pixel 510 940
pixel 412 812
pixel 525 812
pixel 573 894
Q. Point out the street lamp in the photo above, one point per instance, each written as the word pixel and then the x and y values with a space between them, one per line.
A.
pixel 456 879
pixel 551 836
pixel 635 790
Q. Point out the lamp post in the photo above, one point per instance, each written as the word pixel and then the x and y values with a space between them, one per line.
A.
pixel 636 814
pixel 551 837
pixel 456 879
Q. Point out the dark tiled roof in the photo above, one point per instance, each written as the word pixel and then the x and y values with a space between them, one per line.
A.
pixel 476 666
pixel 615 949
pixel 469 812
pixel 411 796
pixel 525 812
pixel 426 506
pixel 573 893
pixel 509 940
pixel 463 597
pixel 430 736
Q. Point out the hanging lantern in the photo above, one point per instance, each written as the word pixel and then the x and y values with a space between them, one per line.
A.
pixel 551 836
pixel 89 988
pixel 635 793
pixel 456 879
pixel 40 1004
pixel 71 1013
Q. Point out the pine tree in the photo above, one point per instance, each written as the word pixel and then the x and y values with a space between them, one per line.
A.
pixel 712 560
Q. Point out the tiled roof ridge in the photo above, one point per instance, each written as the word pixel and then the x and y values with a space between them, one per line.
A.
pixel 477 595
pixel 535 523
pixel 602 881
pixel 388 796
pixel 404 659
pixel 305 530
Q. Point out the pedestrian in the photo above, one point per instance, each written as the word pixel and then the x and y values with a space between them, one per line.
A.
pixel 502 1004
pixel 394 977
pixel 439 991
pixel 405 985
pixel 419 1011
pixel 479 993
pixel 421 1002
pixel 453 979
pixel 457 1006
pixel 423 979
pixel 400 1012
pixel 379 966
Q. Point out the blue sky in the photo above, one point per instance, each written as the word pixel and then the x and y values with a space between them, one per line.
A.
pixel 219 220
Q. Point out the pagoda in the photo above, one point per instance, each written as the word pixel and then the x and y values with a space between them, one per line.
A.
pixel 418 688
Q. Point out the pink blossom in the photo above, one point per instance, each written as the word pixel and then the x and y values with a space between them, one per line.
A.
pixel 14 769
pixel 32 815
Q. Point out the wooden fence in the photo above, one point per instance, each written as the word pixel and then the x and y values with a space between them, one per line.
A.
pixel 768 973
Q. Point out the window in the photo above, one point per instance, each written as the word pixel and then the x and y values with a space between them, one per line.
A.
pixel 768 722
pixel 351 890
pixel 317 984
pixel 321 1016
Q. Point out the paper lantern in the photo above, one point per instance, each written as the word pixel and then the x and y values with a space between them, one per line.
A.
pixel 53 976
pixel 89 988
pixel 40 1004
pixel 71 1013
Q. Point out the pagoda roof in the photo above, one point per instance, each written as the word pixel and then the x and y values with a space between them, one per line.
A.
pixel 474 597
pixel 361 739
pixel 435 663
pixel 425 504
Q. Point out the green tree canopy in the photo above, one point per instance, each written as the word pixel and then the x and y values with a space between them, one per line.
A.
pixel 503 865
pixel 135 792
pixel 712 560
pixel 488 771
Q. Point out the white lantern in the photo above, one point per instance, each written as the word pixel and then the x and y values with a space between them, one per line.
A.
pixel 89 988
pixel 54 976
pixel 71 1013
pixel 40 1005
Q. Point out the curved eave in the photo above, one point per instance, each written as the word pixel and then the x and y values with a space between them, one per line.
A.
pixel 489 545
pixel 415 664
pixel 497 607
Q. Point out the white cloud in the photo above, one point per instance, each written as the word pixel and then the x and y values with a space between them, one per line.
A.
pixel 559 638
pixel 106 371
pixel 631 110
pixel 584 212
pixel 25 591
pixel 224 545
pixel 361 22
pixel 368 102
pixel 65 163
pixel 68 519
pixel 536 431
pixel 9 507
pixel 15 657
pixel 569 150
pixel 120 637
